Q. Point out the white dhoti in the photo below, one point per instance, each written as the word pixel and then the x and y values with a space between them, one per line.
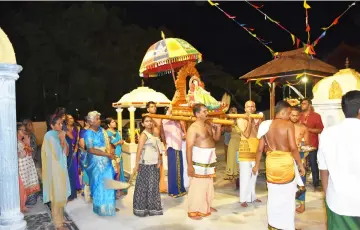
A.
pixel 281 205
pixel 297 176
pixel 247 181
pixel 185 173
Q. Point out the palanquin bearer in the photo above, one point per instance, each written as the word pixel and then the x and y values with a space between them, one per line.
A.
pixel 302 139
pixel 174 134
pixel 201 159
pixel 247 154
pixel 279 137
pixel 339 160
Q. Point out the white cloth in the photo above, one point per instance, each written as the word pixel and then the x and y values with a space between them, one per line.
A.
pixel 339 153
pixel 185 172
pixel 204 156
pixel 281 205
pixel 247 181
pixel 264 128
pixel 297 176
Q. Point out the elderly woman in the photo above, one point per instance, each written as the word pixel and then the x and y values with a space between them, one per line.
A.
pixel 99 168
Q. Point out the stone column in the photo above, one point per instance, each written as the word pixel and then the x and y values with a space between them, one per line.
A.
pixel 10 215
pixel 119 120
pixel 132 124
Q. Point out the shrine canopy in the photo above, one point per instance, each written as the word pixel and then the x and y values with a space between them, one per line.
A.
pixel 289 64
pixel 140 96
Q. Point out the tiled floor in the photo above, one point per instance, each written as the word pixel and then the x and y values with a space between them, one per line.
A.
pixel 230 214
pixel 39 218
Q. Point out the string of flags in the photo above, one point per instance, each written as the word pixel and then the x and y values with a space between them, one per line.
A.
pixel 335 22
pixel 308 46
pixel 244 26
pixel 294 38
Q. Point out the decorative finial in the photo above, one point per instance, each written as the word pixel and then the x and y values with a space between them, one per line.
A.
pixel 142 83
pixel 347 63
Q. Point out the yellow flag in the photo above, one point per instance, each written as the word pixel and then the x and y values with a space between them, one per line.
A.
pixel 306 6
pixel 213 4
pixel 162 35
pixel 307 50
pixel 293 39
pixel 258 82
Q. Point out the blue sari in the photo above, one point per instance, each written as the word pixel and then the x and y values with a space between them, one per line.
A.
pixel 72 163
pixel 114 138
pixel 83 160
pixel 99 169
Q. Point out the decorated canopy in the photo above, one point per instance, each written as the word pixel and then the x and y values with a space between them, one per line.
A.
pixel 140 96
pixel 166 55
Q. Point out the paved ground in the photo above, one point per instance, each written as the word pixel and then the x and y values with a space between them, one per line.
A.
pixel 39 218
pixel 230 214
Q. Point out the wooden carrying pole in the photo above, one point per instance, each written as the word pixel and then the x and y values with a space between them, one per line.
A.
pixel 213 120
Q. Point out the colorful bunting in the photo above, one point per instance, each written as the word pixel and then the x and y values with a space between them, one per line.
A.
pixel 273 21
pixel 335 22
pixel 249 30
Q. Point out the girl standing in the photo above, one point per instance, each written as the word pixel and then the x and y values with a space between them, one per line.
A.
pixel 147 199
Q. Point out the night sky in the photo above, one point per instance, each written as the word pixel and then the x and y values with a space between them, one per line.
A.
pixel 222 41
pixel 225 43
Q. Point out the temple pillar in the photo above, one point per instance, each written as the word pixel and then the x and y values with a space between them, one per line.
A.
pixel 10 215
pixel 132 124
pixel 119 120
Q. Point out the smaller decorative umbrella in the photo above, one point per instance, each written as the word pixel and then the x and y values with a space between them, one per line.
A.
pixel 166 55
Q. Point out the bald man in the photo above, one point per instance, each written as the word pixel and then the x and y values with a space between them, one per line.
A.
pixel 247 154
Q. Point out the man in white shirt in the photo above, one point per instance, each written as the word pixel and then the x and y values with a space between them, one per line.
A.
pixel 339 160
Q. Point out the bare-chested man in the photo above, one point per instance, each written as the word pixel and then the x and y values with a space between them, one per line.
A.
pixel 247 154
pixel 279 137
pixel 158 132
pixel 201 159
pixel 301 138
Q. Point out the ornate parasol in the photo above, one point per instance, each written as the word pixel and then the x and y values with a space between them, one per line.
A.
pixel 166 55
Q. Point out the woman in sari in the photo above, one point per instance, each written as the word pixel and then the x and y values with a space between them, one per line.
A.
pixel 84 162
pixel 234 143
pixel 22 192
pixel 27 168
pixel 56 184
pixel 99 168
pixel 72 139
pixel 116 141
pixel 147 200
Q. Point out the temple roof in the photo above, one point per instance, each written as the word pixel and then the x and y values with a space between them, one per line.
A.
pixel 291 63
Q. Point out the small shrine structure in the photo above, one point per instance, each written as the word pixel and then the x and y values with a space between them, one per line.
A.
pixel 329 91
pixel 288 66
pixel 137 98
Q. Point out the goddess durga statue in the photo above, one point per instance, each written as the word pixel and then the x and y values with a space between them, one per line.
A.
pixel 197 94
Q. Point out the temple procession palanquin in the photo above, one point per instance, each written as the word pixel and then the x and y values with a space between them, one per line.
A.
pixel 182 102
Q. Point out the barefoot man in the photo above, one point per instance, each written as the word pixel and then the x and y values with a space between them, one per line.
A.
pixel 158 132
pixel 247 154
pixel 301 138
pixel 279 137
pixel 201 159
